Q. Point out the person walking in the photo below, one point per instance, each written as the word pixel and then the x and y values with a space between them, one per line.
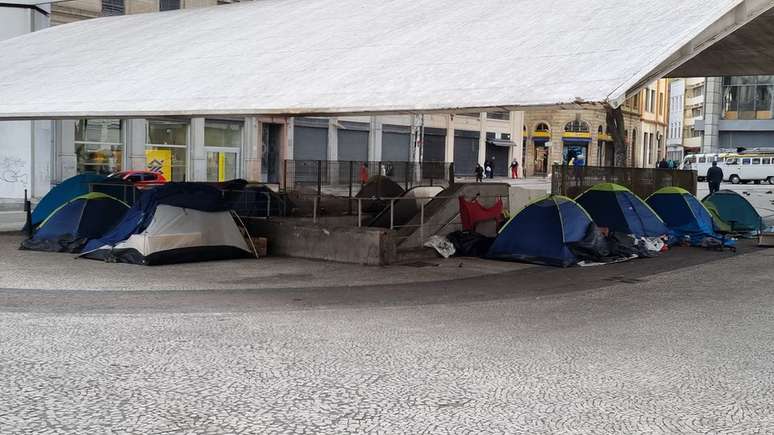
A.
pixel 363 176
pixel 714 177
pixel 515 169
pixel 479 173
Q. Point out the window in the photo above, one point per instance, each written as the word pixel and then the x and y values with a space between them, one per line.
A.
pixel 542 127
pixel 696 112
pixel 661 103
pixel 697 91
pixel 766 161
pixel 647 101
pixel 99 146
pixel 169 5
pixel 505 136
pixel 166 148
pixel 112 7
pixel 746 161
pixel 499 115
pixel 577 127
pixel 702 159
pixel 731 161
pixel 756 161
pixel 748 97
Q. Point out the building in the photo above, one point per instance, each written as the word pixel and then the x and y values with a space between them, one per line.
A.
pixel 738 112
pixel 25 146
pixel 674 140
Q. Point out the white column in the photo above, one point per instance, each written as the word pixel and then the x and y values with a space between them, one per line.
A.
pixel 482 157
pixel 198 170
pixel 333 140
pixel 252 149
pixel 42 144
pixel 449 152
pixel 285 149
pixel 517 136
pixel 375 140
pixel 66 165
pixel 136 137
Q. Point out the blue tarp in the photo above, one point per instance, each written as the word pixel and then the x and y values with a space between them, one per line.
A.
pixel 63 192
pixel 684 215
pixel 618 209
pixel 194 196
pixel 542 232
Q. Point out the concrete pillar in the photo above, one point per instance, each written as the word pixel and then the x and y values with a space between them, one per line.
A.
pixel 42 164
pixel 713 106
pixel 66 165
pixel 449 151
pixel 517 136
pixel 285 149
pixel 375 139
pixel 252 149
pixel 333 140
pixel 15 159
pixel 198 156
pixel 482 127
pixel 136 137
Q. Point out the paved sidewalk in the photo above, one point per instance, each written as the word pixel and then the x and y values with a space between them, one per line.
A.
pixel 43 270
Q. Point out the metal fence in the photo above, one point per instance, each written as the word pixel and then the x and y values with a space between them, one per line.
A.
pixel 572 181
pixel 345 178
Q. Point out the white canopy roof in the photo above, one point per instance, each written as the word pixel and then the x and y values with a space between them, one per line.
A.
pixel 355 56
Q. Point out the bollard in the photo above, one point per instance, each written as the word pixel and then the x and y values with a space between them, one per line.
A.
pixel 359 213
pixel 392 214
pixel 422 225
pixel 314 212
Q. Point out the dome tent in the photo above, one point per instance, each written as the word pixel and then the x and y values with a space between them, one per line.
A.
pixel 615 207
pixel 542 233
pixel 174 223
pixel 69 227
pixel 684 215
pixel 63 192
pixel 734 211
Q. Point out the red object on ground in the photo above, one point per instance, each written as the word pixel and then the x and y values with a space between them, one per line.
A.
pixel 473 212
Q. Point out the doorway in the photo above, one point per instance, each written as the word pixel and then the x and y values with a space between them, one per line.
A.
pixel 270 155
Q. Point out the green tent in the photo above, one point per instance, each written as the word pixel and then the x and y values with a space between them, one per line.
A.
pixel 733 210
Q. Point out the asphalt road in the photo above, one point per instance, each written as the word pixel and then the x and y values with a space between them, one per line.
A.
pixel 678 344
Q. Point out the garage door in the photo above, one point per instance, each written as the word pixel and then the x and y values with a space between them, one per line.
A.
pixel 434 148
pixel 353 145
pixel 465 152
pixel 310 143
pixel 396 146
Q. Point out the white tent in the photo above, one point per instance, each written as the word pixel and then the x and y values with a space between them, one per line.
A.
pixel 354 56
pixel 178 235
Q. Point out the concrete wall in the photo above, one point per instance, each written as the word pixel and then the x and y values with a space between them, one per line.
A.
pixel 368 246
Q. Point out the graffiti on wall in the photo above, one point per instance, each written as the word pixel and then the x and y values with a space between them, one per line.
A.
pixel 12 171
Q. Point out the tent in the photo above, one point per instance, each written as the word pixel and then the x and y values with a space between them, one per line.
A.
pixel 63 192
pixel 174 223
pixel 618 209
pixel 683 214
pixel 69 227
pixel 542 233
pixel 734 210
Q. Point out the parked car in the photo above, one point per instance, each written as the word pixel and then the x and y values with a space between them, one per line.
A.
pixel 140 178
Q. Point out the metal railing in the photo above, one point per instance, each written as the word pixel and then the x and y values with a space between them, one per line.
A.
pixel 572 181
pixel 345 178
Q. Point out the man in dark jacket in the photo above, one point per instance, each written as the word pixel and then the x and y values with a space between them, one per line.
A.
pixel 714 177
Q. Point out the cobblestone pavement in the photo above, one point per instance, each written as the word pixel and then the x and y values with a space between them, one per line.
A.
pixel 689 351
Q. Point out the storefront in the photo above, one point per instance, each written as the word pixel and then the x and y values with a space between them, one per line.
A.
pixel 541 140
pixel 223 141
pixel 166 148
pixel 99 146
pixel 575 141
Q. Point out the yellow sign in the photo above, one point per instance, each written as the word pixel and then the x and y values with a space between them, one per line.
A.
pixel 159 161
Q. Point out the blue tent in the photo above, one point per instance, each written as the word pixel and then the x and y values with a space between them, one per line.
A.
pixel 542 232
pixel 63 192
pixel 735 211
pixel 684 215
pixel 618 209
pixel 69 227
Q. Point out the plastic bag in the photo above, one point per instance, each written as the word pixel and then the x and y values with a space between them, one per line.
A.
pixel 443 246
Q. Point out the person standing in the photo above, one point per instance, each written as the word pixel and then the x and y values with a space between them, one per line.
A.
pixel 515 169
pixel 363 176
pixel 714 177
pixel 479 173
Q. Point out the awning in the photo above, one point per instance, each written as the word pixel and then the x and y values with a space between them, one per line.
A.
pixel 500 143
pixel 327 57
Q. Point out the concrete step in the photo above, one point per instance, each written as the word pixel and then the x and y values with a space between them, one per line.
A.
pixel 11 221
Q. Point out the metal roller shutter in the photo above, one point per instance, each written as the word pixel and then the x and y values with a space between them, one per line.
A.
pixel 465 151
pixel 396 147
pixel 353 145
pixel 310 143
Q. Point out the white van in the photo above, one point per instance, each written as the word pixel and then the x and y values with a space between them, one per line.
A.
pixel 744 168
pixel 702 162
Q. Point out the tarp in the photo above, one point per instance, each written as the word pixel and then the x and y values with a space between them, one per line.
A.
pixel 618 209
pixel 193 196
pixel 684 215
pixel 351 56
pixel 70 226
pixel 62 193
pixel 542 233
pixel 735 211
pixel 473 212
